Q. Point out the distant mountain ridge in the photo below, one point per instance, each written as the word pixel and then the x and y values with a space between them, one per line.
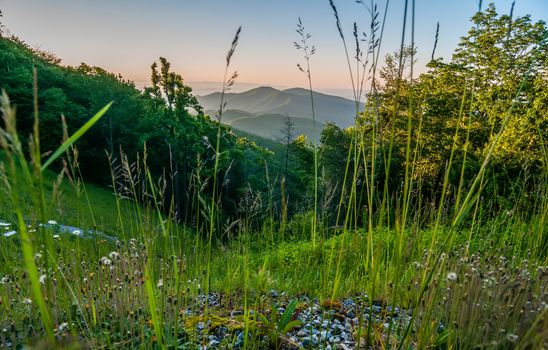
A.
pixel 294 102
pixel 263 110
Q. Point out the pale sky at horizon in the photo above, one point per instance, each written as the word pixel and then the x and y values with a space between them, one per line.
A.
pixel 126 36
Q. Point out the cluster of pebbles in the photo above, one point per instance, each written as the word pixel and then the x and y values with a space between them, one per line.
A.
pixel 324 325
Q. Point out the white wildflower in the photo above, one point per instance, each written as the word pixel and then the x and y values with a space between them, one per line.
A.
pixel 512 338
pixel 10 233
pixel 62 327
pixel 56 237
pixel 160 283
pixel 452 276
pixel 52 222
pixel 114 255
pixel 105 261
pixel 42 279
pixel 27 301
pixel 77 233
pixel 5 279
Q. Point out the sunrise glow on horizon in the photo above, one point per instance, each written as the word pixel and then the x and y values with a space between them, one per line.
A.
pixel 125 37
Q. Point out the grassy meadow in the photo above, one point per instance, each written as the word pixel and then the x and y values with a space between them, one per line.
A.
pixel 423 226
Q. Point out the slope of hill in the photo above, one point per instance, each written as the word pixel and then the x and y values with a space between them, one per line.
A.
pixel 293 102
pixel 272 126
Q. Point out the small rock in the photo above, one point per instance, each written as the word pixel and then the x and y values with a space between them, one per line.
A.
pixel 377 309
pixel 324 335
pixel 308 341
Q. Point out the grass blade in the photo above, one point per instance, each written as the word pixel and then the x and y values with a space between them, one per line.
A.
pixel 76 136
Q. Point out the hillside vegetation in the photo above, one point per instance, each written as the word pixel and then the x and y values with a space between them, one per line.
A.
pixel 416 220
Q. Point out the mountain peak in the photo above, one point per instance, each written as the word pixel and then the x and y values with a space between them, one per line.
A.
pixel 263 89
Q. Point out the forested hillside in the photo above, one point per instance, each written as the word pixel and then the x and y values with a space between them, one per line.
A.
pixel 456 111
pixel 177 134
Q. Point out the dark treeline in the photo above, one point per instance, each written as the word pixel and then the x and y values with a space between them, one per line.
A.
pixel 453 112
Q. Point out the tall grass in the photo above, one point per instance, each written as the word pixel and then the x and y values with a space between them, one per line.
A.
pixel 13 151
pixel 309 51
pixel 396 254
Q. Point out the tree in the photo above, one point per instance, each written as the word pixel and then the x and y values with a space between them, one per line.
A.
pixel 175 99
pixel 456 109
pixel 334 144
pixel 499 54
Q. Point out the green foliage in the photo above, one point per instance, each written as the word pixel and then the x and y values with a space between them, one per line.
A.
pixel 454 112
pixel 480 78
pixel 165 118
pixel 277 326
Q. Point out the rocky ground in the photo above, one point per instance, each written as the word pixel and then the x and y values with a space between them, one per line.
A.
pixel 326 325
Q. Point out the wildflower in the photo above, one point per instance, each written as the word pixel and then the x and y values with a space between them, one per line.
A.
pixel 452 276
pixel 160 283
pixel 105 261
pixel 5 279
pixel 52 222
pixel 10 233
pixel 27 301
pixel 114 255
pixel 37 256
pixel 511 337
pixel 56 237
pixel 62 327
pixel 77 233
pixel 42 279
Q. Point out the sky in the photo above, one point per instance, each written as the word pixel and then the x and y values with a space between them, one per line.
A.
pixel 126 36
